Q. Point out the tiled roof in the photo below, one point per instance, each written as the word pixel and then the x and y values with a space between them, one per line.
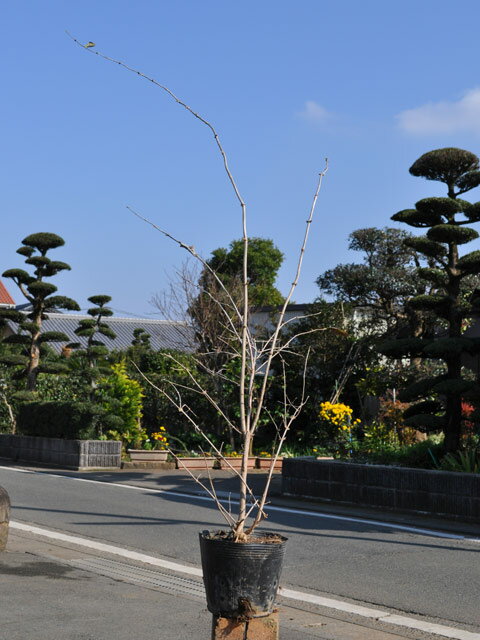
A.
pixel 6 299
pixel 163 334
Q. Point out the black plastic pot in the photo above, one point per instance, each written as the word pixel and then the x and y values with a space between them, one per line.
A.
pixel 241 578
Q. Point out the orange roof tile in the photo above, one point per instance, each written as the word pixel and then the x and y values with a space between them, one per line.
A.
pixel 5 298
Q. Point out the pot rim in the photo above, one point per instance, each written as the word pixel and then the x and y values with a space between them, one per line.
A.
pixel 205 533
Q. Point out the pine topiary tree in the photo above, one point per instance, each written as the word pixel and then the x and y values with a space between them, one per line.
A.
pixel 40 295
pixel 95 350
pixel 141 339
pixel 445 219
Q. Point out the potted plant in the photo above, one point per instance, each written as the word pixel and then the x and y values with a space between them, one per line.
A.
pixel 194 460
pixel 150 449
pixel 230 459
pixel 264 459
pixel 241 565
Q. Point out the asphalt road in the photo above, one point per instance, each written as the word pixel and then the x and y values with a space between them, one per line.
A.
pixel 412 573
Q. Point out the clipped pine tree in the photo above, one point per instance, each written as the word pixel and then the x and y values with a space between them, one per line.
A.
pixel 95 351
pixel 141 339
pixel 40 295
pixel 446 221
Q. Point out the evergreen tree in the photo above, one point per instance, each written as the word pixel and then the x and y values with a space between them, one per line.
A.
pixel 95 351
pixel 446 219
pixel 40 295
pixel 141 339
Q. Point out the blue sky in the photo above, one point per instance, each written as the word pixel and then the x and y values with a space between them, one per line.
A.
pixel 372 85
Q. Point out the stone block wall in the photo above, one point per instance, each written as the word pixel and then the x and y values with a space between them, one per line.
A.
pixel 417 490
pixel 70 454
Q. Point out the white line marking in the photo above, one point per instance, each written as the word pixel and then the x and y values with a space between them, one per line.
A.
pixel 430 627
pixel 347 607
pixel 330 603
pixel 107 548
pixel 376 523
pixel 301 512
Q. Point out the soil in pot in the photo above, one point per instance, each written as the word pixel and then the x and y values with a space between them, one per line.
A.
pixel 241 578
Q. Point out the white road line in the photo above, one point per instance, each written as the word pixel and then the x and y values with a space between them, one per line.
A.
pixel 330 603
pixel 301 512
pixel 107 548
pixel 381 616
pixel 347 607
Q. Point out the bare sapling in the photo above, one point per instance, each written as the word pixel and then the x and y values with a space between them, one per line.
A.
pixel 241 343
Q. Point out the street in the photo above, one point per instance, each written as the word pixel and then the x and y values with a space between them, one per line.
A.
pixel 405 572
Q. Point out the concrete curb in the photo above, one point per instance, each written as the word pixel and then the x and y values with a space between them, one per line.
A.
pixel 4 517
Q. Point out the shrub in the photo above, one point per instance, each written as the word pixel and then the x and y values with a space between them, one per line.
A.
pixel 467 461
pixel 120 399
pixel 69 420
pixel 422 455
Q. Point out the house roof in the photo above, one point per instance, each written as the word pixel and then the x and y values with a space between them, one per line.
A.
pixel 6 299
pixel 163 333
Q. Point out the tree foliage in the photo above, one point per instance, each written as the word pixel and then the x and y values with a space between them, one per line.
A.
pixel 39 294
pixel 264 261
pixel 383 282
pixel 323 338
pixel 454 276
pixel 214 309
pixel 120 399
pixel 94 355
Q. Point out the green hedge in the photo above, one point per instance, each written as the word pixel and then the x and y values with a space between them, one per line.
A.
pixel 69 420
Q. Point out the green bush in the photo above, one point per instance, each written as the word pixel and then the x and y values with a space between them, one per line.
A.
pixel 422 455
pixel 69 420
pixel 467 461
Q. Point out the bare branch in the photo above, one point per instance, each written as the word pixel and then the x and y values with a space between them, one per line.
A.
pixel 260 513
pixel 178 101
pixel 211 492
pixel 254 358
pixel 200 390
pixel 289 296
pixel 192 251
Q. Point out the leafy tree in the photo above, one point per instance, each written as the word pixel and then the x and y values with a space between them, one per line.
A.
pixel 40 295
pixel 384 282
pixel 325 341
pixel 264 261
pixel 446 220
pixel 95 352
pixel 120 399
pixel 212 309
